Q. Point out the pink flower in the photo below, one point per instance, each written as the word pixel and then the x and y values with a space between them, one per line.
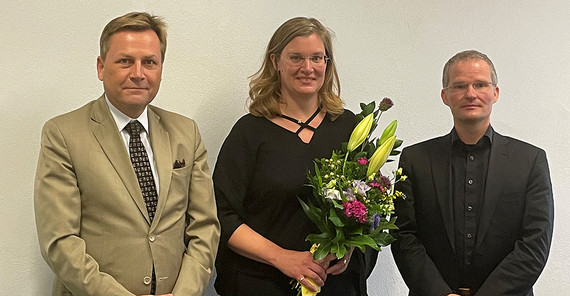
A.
pixel 362 161
pixel 374 184
pixel 355 209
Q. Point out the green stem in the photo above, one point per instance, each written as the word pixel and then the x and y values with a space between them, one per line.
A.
pixel 344 163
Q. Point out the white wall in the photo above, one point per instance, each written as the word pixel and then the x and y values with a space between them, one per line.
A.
pixel 392 48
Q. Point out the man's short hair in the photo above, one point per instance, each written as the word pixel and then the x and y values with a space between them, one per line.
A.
pixel 464 56
pixel 133 21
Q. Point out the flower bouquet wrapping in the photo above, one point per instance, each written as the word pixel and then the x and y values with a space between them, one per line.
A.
pixel 352 200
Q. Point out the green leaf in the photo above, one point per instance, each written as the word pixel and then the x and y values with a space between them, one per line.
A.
pixel 314 214
pixel 369 108
pixel 384 239
pixel 362 241
pixel 322 251
pixel 342 251
pixel 386 225
pixel 321 238
pixel 356 231
pixel 318 175
pixel 334 248
pixel 333 217
pixel 339 250
pixel 398 143
pixel 371 150
pixel 337 205
pixel 339 238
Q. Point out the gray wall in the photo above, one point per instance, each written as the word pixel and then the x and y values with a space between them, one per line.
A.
pixel 391 48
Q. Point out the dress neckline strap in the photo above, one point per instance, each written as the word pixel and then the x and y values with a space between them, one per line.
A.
pixel 303 125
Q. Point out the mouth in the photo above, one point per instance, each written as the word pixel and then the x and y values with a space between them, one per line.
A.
pixel 306 79
pixel 135 88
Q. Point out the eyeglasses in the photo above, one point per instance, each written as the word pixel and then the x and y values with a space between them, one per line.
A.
pixel 299 60
pixel 480 87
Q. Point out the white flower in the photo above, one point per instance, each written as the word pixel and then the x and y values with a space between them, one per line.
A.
pixel 332 194
pixel 349 194
pixel 360 187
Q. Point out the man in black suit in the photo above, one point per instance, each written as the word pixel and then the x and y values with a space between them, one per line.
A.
pixel 479 211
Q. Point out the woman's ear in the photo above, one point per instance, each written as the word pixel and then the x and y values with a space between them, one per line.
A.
pixel 274 61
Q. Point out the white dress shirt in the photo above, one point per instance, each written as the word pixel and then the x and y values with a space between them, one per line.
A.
pixel 121 120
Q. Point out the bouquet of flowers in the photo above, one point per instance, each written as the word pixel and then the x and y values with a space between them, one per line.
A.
pixel 352 200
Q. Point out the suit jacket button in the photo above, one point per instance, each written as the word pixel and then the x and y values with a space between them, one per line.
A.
pixel 146 280
pixel 151 237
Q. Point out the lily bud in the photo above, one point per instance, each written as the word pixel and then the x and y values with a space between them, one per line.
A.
pixel 388 131
pixel 360 132
pixel 380 156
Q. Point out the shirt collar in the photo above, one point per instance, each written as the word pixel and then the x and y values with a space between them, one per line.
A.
pixel 121 119
pixel 488 133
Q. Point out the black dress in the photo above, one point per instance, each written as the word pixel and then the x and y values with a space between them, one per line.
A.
pixel 260 172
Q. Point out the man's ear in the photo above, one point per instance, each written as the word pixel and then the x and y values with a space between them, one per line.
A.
pixel 100 68
pixel 496 94
pixel 444 97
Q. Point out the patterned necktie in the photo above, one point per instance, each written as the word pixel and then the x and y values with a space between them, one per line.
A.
pixel 141 164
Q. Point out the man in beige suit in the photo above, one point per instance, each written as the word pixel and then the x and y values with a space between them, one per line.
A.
pixel 97 232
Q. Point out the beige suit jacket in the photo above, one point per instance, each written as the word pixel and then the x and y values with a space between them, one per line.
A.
pixel 93 228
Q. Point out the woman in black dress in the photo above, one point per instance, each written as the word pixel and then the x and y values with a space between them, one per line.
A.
pixel 296 115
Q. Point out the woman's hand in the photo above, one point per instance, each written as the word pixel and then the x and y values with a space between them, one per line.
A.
pixel 341 265
pixel 300 266
pixel 294 264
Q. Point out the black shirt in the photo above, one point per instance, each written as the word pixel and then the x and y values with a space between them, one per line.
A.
pixel 469 172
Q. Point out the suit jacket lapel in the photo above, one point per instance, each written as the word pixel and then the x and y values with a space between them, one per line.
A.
pixel 440 155
pixel 106 132
pixel 162 151
pixel 496 172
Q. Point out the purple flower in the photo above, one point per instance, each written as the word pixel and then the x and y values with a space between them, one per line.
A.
pixel 375 221
pixel 385 104
pixel 362 161
pixel 355 209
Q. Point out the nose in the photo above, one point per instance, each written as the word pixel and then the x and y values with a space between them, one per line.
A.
pixel 307 65
pixel 137 72
pixel 470 92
